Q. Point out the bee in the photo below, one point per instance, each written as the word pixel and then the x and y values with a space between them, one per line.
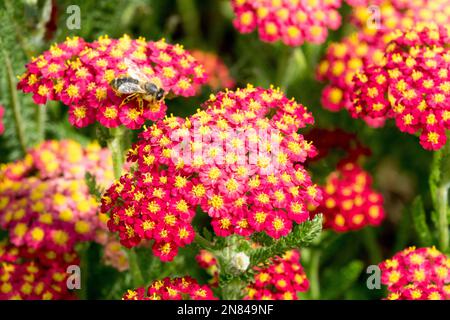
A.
pixel 137 85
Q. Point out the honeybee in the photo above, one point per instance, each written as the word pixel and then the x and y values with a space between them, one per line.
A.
pixel 137 85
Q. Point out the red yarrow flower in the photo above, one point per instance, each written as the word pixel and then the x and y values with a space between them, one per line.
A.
pixel 28 274
pixel 239 159
pixel 79 73
pixel 185 288
pixel 412 86
pixel 44 200
pixel 349 202
pixel 292 22
pixel 282 278
pixel 417 274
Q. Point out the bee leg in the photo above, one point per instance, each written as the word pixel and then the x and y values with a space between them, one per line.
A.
pixel 141 103
pixel 128 99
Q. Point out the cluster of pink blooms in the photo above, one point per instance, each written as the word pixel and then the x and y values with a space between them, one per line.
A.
pixel 282 279
pixel 341 61
pixel 349 202
pixel 216 70
pixel 79 73
pixel 417 274
pixel 239 159
pixel 2 113
pixel 27 274
pixel 113 253
pixel 291 21
pixel 366 47
pixel 184 288
pixel 44 200
pixel 412 85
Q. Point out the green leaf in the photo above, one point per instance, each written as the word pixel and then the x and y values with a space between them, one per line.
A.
pixel 93 187
pixel 302 235
pixel 338 281
pixel 420 222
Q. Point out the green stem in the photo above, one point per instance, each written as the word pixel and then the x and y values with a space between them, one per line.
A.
pixel 442 209
pixel 115 144
pixel 370 241
pixel 84 261
pixel 314 274
pixel 233 290
pixel 41 118
pixel 293 65
pixel 15 103
pixel 282 68
pixel 202 242
pixel 189 15
pixel 135 269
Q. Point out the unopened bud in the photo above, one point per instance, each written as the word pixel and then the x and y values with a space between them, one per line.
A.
pixel 240 261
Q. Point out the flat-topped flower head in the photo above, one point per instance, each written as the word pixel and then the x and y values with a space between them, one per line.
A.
pixel 342 60
pixel 291 21
pixel 417 274
pixel 216 70
pixel 412 86
pixel 27 274
pixel 185 288
pixel 281 278
pixel 380 17
pixel 349 202
pixel 239 158
pixel 375 20
pixel 44 200
pixel 79 74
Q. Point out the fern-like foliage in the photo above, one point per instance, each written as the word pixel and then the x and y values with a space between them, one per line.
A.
pixel 302 235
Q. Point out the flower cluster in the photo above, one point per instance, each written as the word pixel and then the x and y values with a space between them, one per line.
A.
pixel 417 274
pixel 217 72
pixel 291 21
pixel 239 159
pixel 79 74
pixel 398 14
pixel 412 85
pixel 349 202
pixel 281 279
pixel 44 200
pixel 113 253
pixel 2 113
pixel 151 205
pixel 342 60
pixel 27 274
pixel 184 288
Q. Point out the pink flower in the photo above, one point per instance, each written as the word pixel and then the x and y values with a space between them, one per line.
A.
pixel 79 74
pixel 292 22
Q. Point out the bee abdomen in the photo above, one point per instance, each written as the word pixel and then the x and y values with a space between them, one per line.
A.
pixel 117 82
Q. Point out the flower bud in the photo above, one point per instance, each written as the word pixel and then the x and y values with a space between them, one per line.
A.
pixel 240 261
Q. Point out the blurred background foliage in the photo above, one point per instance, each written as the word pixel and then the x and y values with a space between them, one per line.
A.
pixel 399 165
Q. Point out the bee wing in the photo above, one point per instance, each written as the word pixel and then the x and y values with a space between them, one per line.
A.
pixel 134 71
pixel 129 87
